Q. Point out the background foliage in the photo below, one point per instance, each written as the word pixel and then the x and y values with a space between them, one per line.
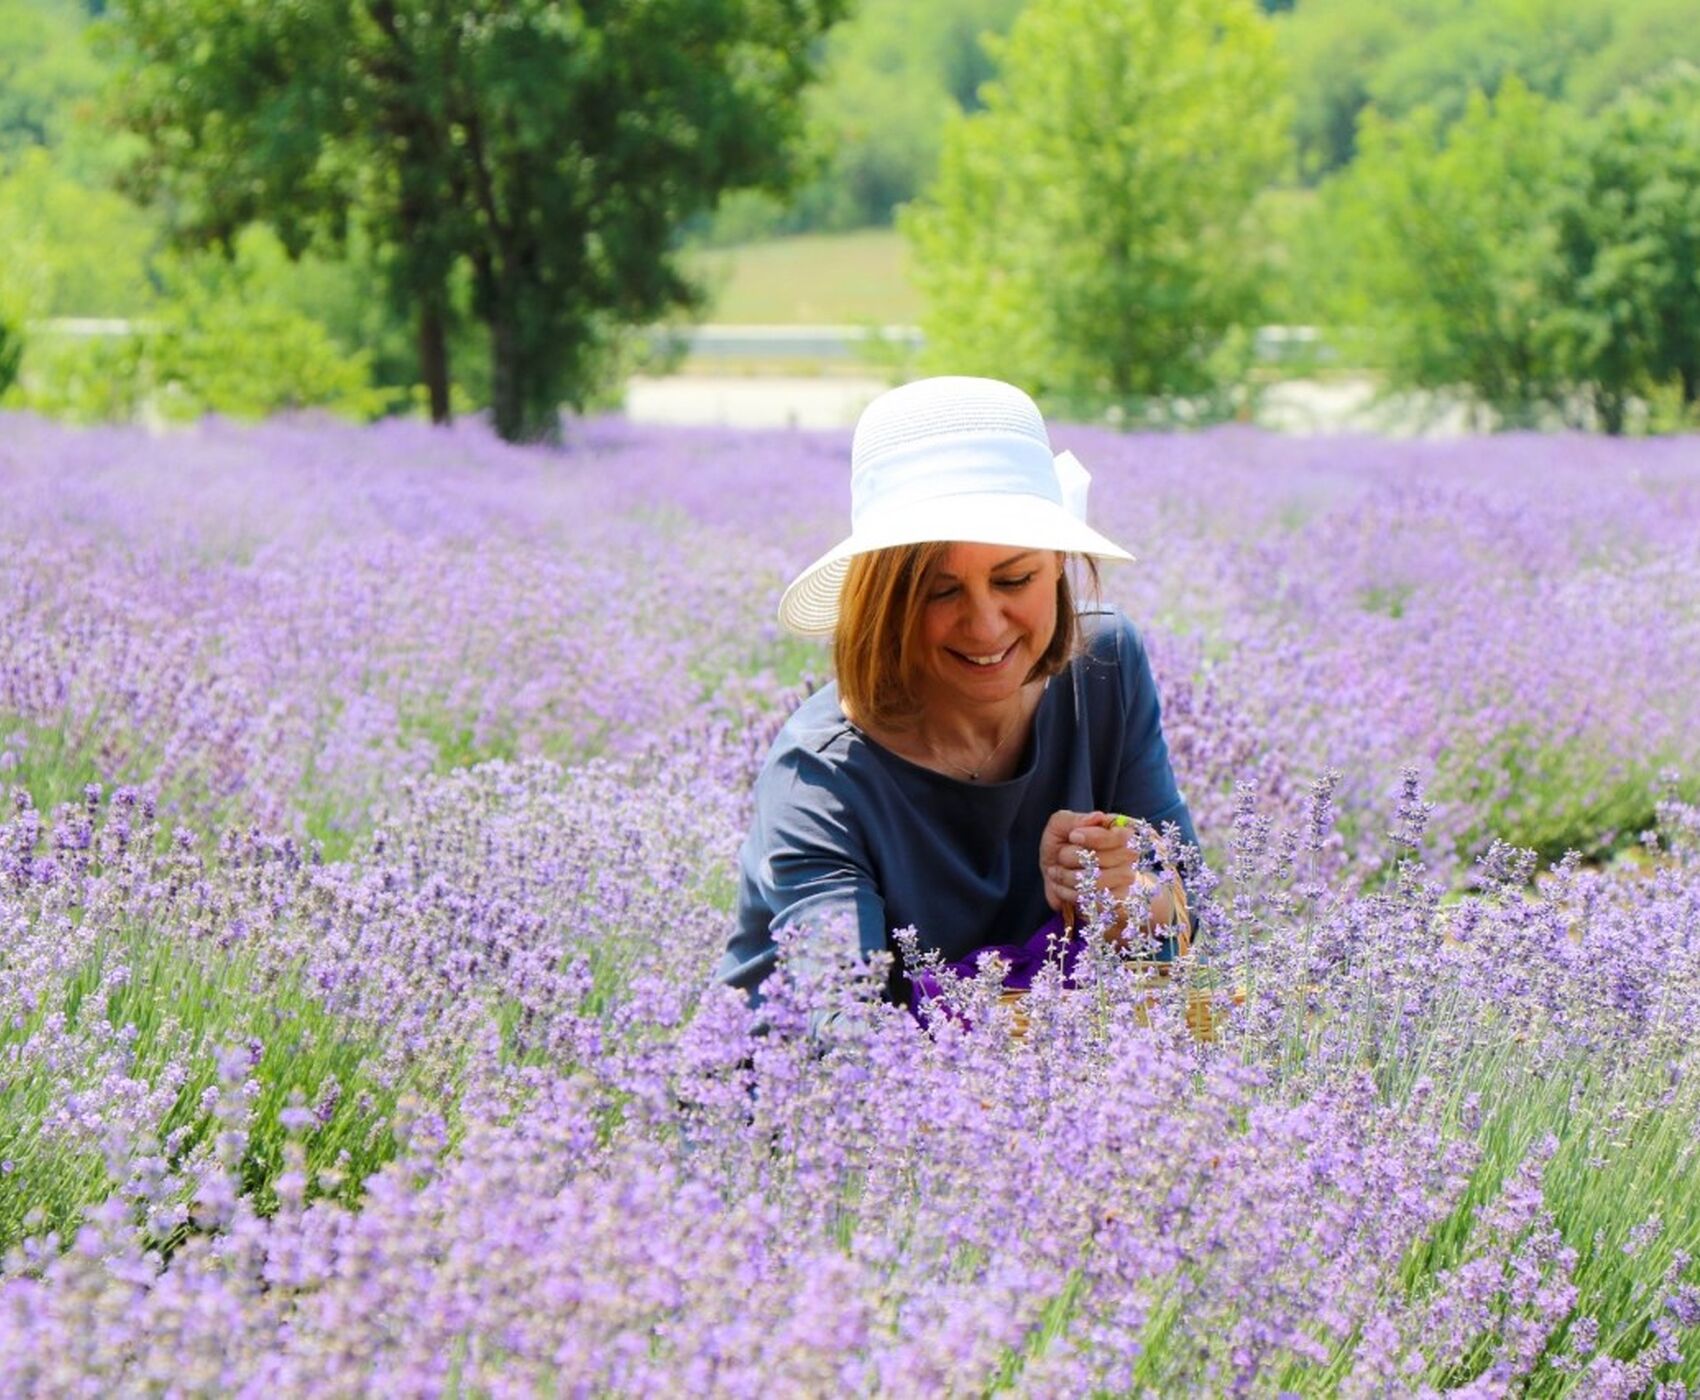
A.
pixel 891 77
pixel 1075 242
pixel 1347 57
pixel 1543 258
pixel 1570 305
pixel 545 151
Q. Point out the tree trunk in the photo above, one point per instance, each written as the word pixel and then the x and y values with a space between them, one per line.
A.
pixel 1613 409
pixel 434 359
pixel 505 404
pixel 515 400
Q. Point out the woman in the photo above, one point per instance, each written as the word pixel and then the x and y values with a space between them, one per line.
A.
pixel 981 734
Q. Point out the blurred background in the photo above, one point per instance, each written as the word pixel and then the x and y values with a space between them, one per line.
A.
pixel 1442 216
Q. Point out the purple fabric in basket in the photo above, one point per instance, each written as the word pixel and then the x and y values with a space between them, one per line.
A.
pixel 1025 959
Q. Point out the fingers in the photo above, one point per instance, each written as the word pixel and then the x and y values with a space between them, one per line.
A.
pixel 1060 889
pixel 1067 836
pixel 1101 836
pixel 1060 824
pixel 1109 849
pixel 1056 832
pixel 1114 875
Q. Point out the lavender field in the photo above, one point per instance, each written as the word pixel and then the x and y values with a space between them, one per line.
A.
pixel 371 799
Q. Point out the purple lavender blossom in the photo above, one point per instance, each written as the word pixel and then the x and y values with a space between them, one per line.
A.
pixel 373 797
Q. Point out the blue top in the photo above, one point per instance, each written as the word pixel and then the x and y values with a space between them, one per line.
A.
pixel 844 827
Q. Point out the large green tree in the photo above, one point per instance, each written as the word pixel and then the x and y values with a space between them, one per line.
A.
pixel 549 147
pixel 1441 247
pixel 1626 286
pixel 1544 262
pixel 1090 231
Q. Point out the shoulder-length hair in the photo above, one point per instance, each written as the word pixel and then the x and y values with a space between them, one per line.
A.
pixel 879 622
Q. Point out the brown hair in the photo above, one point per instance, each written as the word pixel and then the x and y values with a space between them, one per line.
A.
pixel 879 618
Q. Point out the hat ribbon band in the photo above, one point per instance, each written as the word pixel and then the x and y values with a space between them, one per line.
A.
pixel 903 478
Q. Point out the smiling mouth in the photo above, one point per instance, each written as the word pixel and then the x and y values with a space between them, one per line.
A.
pixel 986 661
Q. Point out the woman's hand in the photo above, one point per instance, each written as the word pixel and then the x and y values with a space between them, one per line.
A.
pixel 1067 834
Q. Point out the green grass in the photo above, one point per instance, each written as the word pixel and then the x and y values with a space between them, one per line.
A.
pixel 1563 797
pixel 859 278
pixel 182 1004
pixel 48 761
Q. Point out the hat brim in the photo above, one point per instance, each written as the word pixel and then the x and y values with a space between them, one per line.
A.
pixel 809 606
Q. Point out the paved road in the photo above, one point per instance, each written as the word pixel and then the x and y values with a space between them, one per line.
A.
pixel 1339 405
pixel 755 401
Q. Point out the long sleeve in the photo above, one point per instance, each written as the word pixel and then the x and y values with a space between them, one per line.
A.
pixel 804 865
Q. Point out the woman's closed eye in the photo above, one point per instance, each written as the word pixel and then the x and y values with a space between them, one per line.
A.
pixel 1009 585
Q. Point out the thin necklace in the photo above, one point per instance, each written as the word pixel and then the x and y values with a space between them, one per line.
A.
pixel 973 774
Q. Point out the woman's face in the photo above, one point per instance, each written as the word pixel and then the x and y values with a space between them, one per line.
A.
pixel 988 614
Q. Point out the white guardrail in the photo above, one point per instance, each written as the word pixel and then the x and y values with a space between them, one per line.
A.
pixel 1271 344
pixel 85 327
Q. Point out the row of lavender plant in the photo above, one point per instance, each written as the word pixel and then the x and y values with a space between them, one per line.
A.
pixel 278 624
pixel 457 1114
pixel 462 1116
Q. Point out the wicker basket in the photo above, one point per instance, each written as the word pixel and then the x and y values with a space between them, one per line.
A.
pixel 1204 1015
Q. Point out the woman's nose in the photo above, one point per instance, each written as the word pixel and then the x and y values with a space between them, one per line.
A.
pixel 985 617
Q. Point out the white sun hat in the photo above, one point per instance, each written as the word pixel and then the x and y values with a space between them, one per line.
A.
pixel 952 458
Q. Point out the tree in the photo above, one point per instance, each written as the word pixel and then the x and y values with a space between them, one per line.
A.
pixel 1546 262
pixel 1647 36
pixel 1480 47
pixel 1333 49
pixel 896 73
pixel 1627 281
pixel 551 147
pixel 1346 55
pixel 890 76
pixel 1089 233
pixel 11 348
pixel 45 70
pixel 1441 247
